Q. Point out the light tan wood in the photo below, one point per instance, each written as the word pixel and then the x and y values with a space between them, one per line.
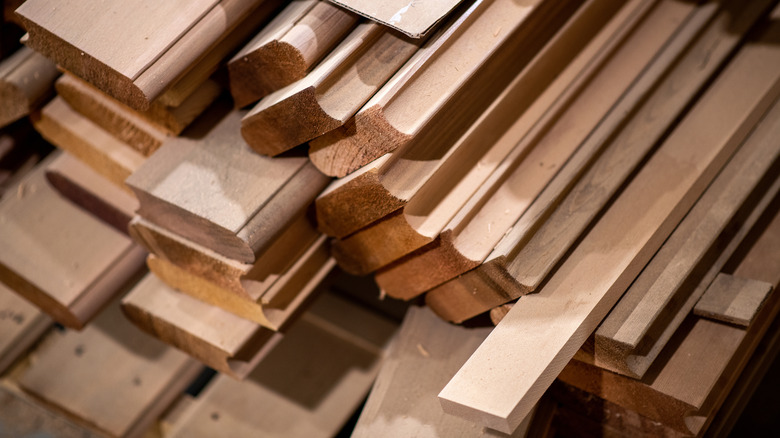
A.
pixel 137 65
pixel 213 190
pixel 65 128
pixel 21 324
pixel 89 190
pixel 414 178
pixel 331 94
pixel 583 180
pixel 228 343
pixel 500 383
pixel 401 15
pixel 287 48
pixel 110 376
pixel 733 300
pixel 424 355
pixel 20 150
pixel 308 385
pixel 44 233
pixel 638 328
pixel 628 45
pixel 26 80
pixel 435 92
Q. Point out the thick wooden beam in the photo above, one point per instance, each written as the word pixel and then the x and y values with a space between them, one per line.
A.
pixel 480 47
pixel 500 383
pixel 331 94
pixel 26 80
pixel 414 178
pixel 86 261
pixel 72 371
pixel 135 55
pixel 473 233
pixel 287 48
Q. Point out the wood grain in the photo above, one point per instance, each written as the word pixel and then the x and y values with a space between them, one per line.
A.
pixel 733 300
pixel 26 79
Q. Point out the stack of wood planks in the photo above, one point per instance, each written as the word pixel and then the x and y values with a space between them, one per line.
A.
pixel 599 177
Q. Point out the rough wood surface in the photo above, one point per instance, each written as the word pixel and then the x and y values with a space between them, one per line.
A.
pixel 86 261
pixel 500 383
pixel 65 128
pixel 307 385
pixel 213 190
pixel 86 188
pixel 416 178
pixel 733 300
pixel 638 328
pixel 287 48
pixel 479 47
pixel 26 79
pixel 631 41
pixel 159 44
pixel 331 94
pixel 21 324
pixel 635 118
pixel 110 376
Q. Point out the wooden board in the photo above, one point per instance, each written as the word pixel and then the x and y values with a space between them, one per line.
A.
pixel 136 50
pixel 86 261
pixel 26 79
pixel 401 15
pixel 415 179
pixel 87 189
pixel 308 385
pixel 286 49
pixel 634 121
pixel 473 233
pixel 500 383
pixel 21 324
pixel 215 191
pixel 331 94
pixel 72 371
pixel 425 354
pixel 449 66
pixel 65 128
pixel 733 300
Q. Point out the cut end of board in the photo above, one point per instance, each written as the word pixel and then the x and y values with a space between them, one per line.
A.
pixel 261 72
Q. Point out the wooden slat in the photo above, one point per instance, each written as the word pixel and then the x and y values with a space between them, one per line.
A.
pixel 86 261
pixel 473 233
pixel 411 177
pixel 733 300
pixel 287 48
pixel 436 90
pixel 331 94
pixel 26 79
pixel 110 376
pixel 65 128
pixel 401 15
pixel 308 385
pixel 594 172
pixel 86 188
pixel 156 49
pixel 215 191
pixel 501 382
pixel 21 324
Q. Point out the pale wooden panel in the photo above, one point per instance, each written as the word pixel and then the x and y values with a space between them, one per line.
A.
pixel 21 324
pixel 401 14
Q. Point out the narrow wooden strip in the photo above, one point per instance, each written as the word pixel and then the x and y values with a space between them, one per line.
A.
pixel 86 188
pixel 332 93
pixel 74 133
pixel 501 382
pixel 400 15
pixel 72 372
pixel 733 300
pixel 26 79
pixel 308 385
pixel 473 233
pixel 42 232
pixel 411 171
pixel 432 91
pixel 287 48
pixel 21 324
pixel 633 118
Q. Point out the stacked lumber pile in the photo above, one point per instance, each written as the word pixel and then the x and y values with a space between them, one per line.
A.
pixel 599 177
